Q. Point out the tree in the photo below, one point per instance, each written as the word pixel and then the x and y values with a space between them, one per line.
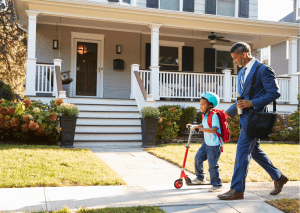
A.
pixel 13 49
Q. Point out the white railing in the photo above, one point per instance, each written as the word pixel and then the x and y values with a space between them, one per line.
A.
pixel 234 87
pixel 45 81
pixel 145 76
pixel 189 85
pixel 284 89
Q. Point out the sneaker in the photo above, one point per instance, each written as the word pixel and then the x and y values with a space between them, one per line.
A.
pixel 197 181
pixel 215 189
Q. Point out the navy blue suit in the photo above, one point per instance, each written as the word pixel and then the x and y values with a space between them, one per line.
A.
pixel 266 91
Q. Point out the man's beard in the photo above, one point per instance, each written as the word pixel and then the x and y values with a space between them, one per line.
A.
pixel 240 63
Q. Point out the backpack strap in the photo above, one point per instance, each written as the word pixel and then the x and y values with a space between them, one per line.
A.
pixel 209 122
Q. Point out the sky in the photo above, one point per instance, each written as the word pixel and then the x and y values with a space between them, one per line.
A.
pixel 274 10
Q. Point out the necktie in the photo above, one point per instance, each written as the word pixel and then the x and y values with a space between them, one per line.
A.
pixel 242 80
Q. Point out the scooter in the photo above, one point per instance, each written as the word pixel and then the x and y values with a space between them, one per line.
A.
pixel 179 182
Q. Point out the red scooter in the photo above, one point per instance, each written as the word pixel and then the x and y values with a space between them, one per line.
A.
pixel 179 182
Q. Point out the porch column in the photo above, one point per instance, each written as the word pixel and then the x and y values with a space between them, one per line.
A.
pixel 154 77
pixel 134 67
pixel 31 59
pixel 227 86
pixel 293 71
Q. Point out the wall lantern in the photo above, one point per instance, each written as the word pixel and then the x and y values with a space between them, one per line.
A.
pixel 119 49
pixel 55 44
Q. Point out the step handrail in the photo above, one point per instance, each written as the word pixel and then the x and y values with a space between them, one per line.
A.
pixel 139 80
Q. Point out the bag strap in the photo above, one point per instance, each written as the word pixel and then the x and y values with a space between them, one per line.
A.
pixel 253 86
pixel 209 119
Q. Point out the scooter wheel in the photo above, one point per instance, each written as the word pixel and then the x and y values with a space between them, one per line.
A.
pixel 178 183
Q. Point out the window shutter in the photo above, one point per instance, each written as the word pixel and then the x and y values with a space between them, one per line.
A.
pixel 211 7
pixel 152 3
pixel 188 5
pixel 209 60
pixel 148 56
pixel 244 8
pixel 187 58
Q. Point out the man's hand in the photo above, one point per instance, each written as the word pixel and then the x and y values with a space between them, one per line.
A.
pixel 244 104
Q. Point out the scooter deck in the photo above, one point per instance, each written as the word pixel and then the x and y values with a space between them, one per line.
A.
pixel 197 184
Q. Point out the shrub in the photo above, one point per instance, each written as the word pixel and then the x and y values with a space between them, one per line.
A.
pixel 29 122
pixel 168 127
pixel 188 116
pixel 68 109
pixel 199 117
pixel 234 128
pixel 5 91
pixel 150 112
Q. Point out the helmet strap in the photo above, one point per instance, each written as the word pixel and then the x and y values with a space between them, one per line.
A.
pixel 208 110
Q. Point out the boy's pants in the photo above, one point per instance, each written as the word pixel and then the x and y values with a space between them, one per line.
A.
pixel 212 154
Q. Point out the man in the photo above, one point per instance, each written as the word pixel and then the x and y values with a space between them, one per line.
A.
pixel 266 91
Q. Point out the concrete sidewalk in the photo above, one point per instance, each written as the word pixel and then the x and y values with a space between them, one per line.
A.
pixel 150 182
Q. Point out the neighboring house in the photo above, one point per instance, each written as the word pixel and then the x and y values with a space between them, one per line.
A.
pixel 279 63
pixel 169 42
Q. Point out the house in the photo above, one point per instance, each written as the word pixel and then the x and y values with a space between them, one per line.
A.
pixel 275 60
pixel 127 54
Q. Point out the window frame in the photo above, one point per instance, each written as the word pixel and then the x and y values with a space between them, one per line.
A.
pixel 297 10
pixel 236 9
pixel 120 2
pixel 179 45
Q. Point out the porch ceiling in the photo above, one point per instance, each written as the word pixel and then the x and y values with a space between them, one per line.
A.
pixel 90 14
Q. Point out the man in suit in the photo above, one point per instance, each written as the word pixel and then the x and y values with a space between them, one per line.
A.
pixel 266 91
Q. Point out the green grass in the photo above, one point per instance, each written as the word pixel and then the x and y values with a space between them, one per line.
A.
pixel 285 157
pixel 40 166
pixel 138 209
pixel 286 205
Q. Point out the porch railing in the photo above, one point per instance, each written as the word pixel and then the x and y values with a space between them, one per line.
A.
pixel 45 78
pixel 192 85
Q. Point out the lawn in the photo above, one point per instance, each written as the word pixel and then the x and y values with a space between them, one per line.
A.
pixel 286 205
pixel 285 157
pixel 37 166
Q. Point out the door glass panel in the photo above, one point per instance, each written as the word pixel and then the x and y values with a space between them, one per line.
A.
pixel 86 69
pixel 168 58
pixel 169 5
pixel 225 7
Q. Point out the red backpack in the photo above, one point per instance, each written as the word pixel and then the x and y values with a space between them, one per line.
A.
pixel 223 123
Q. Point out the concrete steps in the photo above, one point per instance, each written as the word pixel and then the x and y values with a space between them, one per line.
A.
pixel 107 120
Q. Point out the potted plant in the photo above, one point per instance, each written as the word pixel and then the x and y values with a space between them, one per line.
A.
pixel 68 117
pixel 149 124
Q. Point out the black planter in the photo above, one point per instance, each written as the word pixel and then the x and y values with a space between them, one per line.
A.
pixel 68 125
pixel 149 131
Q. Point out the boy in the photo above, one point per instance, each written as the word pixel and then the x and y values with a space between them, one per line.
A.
pixel 211 148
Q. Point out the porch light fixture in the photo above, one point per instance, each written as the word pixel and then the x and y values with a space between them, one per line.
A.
pixel 55 44
pixel 118 49
pixel 212 42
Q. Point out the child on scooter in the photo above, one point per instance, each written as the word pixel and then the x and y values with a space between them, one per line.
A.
pixel 211 148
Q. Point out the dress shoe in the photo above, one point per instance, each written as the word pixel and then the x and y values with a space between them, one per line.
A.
pixel 279 184
pixel 232 195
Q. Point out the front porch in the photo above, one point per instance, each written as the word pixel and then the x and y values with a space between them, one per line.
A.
pixel 196 68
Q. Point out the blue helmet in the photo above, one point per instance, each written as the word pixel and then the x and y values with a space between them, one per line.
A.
pixel 212 98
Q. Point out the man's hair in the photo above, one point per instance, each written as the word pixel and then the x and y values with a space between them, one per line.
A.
pixel 241 47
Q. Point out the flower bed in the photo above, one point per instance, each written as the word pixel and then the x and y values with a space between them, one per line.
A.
pixel 29 122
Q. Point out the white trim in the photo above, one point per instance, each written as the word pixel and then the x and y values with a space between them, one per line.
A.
pixel 89 37
pixel 287 49
pixel 269 56
pixel 297 9
pixel 132 2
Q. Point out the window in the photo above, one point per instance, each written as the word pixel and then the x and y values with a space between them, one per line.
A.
pixel 120 1
pixel 223 61
pixel 168 58
pixel 226 7
pixel 177 5
pixel 265 55
pixel 298 10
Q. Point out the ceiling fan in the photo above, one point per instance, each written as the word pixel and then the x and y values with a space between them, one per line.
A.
pixel 213 38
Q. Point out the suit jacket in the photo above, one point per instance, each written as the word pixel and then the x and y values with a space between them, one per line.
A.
pixel 266 90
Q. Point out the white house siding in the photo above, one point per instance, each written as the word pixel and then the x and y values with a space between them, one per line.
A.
pixel 199 6
pixel 141 3
pixel 116 83
pixel 278 59
pixel 253 9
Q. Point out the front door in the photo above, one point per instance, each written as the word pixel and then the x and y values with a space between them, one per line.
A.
pixel 87 68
